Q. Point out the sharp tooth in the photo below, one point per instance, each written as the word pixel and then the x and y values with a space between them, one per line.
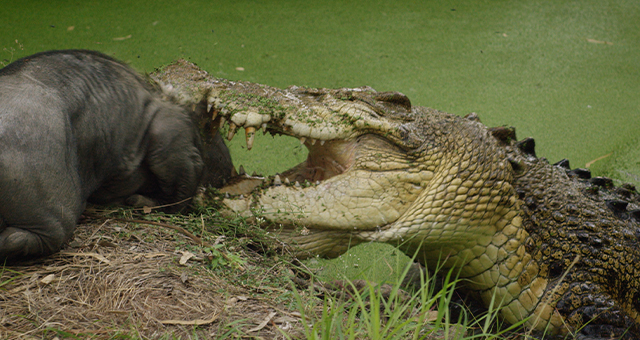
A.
pixel 193 107
pixel 317 182
pixel 226 195
pixel 232 131
pixel 312 141
pixel 277 181
pixel 209 106
pixel 250 133
pixel 241 171
pixel 297 185
pixel 264 128
pixel 322 142
pixel 287 181
pixel 222 121
pixel 241 196
pixel 302 140
pixel 254 174
pixel 234 172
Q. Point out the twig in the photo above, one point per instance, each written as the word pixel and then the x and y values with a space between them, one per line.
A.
pixel 195 238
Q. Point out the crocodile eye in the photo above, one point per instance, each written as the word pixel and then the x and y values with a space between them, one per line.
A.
pixel 393 105
pixel 395 98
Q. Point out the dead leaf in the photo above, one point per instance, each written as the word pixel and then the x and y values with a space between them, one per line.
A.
pixel 147 210
pixel 263 323
pixel 185 257
pixel 285 319
pixel 599 42
pixel 239 68
pixel 230 302
pixel 122 38
pixel 71 28
pixel 47 279
pixel 431 316
pixel 196 322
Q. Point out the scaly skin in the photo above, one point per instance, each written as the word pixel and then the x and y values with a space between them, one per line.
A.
pixel 443 186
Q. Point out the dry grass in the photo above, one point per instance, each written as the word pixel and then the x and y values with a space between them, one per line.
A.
pixel 122 280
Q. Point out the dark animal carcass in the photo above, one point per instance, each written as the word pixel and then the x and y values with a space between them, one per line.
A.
pixel 78 126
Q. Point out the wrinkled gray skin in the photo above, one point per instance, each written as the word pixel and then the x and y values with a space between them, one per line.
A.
pixel 79 126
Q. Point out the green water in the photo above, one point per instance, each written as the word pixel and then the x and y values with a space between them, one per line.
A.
pixel 528 64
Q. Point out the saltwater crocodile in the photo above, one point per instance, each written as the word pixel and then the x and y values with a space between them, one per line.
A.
pixel 551 245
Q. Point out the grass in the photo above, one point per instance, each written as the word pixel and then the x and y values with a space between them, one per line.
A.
pixel 373 311
pixel 123 279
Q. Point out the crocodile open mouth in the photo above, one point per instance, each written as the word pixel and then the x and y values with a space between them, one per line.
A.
pixel 325 159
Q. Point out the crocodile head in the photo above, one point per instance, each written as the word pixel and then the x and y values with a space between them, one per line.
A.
pixel 380 170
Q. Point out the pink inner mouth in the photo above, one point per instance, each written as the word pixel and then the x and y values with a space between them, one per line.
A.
pixel 323 162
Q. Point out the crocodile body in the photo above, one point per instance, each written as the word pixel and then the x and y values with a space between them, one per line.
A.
pixel 548 244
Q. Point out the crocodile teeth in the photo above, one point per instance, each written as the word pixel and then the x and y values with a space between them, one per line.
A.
pixel 250 133
pixel 297 184
pixel 287 181
pixel 222 121
pixel 241 171
pixel 312 141
pixel 232 130
pixel 302 140
pixel 264 128
pixel 277 181
pixel 322 142
pixel 209 106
